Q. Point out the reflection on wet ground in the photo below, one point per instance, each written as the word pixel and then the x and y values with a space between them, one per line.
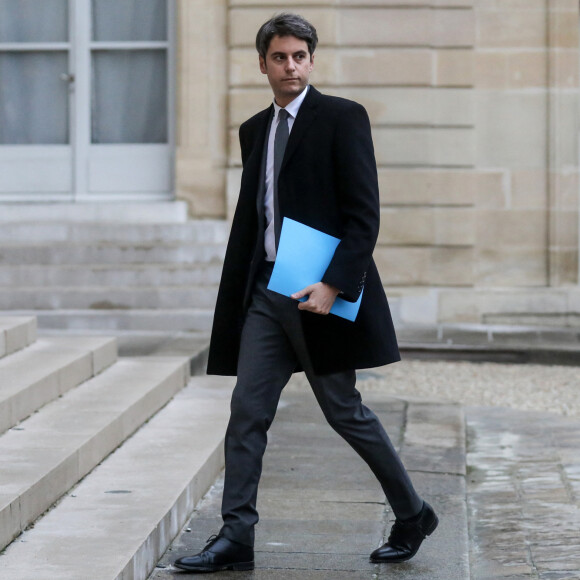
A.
pixel 505 483
pixel 523 490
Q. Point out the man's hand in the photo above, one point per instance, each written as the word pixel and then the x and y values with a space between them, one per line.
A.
pixel 321 297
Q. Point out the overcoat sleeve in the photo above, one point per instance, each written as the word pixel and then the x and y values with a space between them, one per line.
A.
pixel 358 198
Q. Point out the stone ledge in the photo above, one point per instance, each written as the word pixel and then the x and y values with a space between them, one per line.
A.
pixel 55 448
pixel 137 502
pixel 16 333
pixel 125 212
pixel 46 370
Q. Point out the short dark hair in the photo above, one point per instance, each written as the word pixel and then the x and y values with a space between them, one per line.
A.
pixel 286 24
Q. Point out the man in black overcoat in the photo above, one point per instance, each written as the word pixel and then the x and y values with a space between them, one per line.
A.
pixel 308 157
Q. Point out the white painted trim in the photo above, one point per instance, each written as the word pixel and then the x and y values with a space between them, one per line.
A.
pixel 50 174
pixel 24 198
pixel 128 45
pixel 33 46
pixel 63 197
pixel 172 90
pixel 123 196
pixel 112 167
pixel 150 211
pixel 82 120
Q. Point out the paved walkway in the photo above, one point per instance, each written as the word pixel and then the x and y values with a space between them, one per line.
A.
pixel 523 494
pixel 322 511
pixel 509 502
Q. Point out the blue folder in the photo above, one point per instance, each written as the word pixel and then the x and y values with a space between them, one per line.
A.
pixel 302 259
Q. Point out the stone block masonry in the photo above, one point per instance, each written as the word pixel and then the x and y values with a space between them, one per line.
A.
pixel 474 106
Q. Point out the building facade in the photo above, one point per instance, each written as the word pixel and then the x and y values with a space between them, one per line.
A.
pixel 474 105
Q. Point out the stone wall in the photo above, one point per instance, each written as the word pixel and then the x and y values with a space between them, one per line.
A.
pixel 202 96
pixel 525 82
pixel 474 107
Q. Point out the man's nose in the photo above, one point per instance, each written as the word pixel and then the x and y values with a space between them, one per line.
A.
pixel 290 64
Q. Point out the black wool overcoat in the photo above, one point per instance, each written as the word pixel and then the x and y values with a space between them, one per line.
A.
pixel 328 181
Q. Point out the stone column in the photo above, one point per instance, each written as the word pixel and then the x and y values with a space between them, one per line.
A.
pixel 563 130
pixel 202 96
pixel 512 102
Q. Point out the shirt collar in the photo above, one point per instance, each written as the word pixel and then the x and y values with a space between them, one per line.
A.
pixel 294 106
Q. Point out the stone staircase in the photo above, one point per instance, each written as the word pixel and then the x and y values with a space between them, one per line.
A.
pixel 103 459
pixel 112 276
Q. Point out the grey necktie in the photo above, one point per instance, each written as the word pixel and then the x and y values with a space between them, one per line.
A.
pixel 280 141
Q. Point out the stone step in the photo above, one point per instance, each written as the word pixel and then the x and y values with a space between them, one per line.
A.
pixel 125 212
pixel 16 333
pixel 46 370
pixel 119 520
pixel 178 319
pixel 193 345
pixel 51 451
pixel 108 253
pixel 198 231
pixel 54 298
pixel 111 275
pixel 322 511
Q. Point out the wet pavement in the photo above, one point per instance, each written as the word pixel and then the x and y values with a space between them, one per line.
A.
pixel 322 511
pixel 505 483
pixel 523 495
pixel 504 478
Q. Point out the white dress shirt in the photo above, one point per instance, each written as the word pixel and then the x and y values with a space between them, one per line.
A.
pixel 269 237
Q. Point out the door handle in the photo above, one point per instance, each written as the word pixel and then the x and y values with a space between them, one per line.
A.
pixel 68 77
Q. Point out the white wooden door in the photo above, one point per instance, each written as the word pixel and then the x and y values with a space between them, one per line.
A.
pixel 35 100
pixel 86 100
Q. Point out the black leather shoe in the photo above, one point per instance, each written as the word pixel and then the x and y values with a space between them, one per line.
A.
pixel 406 537
pixel 219 554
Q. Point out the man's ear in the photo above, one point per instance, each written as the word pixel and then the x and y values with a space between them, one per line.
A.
pixel 263 68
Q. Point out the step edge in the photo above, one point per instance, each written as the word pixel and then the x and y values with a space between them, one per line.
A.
pixel 81 367
pixel 170 386
pixel 147 556
pixel 150 548
pixel 17 337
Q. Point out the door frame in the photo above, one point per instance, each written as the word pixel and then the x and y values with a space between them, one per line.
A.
pixel 80 148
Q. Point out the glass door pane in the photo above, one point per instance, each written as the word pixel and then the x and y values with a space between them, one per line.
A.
pixel 33 20
pixel 129 101
pixel 34 106
pixel 129 20
pixel 129 76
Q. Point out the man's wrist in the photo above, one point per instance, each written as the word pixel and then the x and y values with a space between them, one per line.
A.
pixel 333 288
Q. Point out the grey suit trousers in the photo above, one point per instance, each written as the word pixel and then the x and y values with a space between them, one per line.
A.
pixel 272 344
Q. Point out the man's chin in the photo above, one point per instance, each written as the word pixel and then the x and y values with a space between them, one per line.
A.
pixel 291 90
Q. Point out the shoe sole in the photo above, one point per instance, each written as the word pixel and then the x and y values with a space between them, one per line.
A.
pixel 432 527
pixel 237 567
pixel 428 532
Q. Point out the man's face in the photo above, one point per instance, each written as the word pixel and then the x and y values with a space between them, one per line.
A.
pixel 288 65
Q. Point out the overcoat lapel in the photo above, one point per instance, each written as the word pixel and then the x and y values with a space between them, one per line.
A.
pixel 262 170
pixel 256 164
pixel 253 163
